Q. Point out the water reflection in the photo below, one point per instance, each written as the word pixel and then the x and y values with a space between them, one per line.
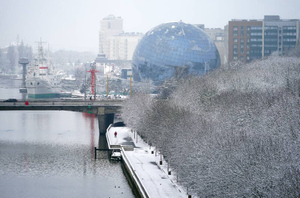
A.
pixel 27 159
pixel 51 154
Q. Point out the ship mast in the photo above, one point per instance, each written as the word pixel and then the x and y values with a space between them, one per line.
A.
pixel 40 55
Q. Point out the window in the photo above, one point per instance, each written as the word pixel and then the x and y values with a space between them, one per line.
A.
pixel 256 28
pixel 289 33
pixel 241 58
pixel 235 28
pixel 235 40
pixel 271 33
pixel 256 45
pixel 242 40
pixel 271 40
pixel 289 27
pixel 235 46
pixel 242 30
pixel 256 33
pixel 271 27
pixel 289 39
pixel 256 39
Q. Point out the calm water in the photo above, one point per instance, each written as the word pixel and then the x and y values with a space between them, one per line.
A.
pixel 10 89
pixel 51 154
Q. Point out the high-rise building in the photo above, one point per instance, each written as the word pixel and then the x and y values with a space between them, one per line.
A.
pixel 255 39
pixel 113 42
pixel 110 26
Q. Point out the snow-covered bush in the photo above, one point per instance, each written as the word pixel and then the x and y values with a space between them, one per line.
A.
pixel 134 110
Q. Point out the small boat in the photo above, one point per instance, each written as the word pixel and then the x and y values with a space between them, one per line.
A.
pixel 116 155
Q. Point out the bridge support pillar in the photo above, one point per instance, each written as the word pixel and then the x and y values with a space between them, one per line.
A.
pixel 104 120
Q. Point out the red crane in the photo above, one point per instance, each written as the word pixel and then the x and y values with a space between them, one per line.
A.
pixel 93 78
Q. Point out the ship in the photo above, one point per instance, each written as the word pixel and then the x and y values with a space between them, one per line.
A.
pixel 41 81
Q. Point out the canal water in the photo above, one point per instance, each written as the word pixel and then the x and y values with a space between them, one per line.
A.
pixel 51 154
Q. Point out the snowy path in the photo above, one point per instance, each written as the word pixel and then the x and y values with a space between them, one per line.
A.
pixel 144 164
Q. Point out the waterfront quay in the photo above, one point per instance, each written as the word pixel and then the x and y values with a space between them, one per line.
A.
pixel 151 178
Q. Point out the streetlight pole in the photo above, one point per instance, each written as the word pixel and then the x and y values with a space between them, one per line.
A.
pixel 85 82
pixel 107 84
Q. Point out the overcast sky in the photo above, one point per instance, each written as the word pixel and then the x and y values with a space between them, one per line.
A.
pixel 75 24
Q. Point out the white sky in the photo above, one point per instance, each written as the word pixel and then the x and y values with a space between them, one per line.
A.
pixel 74 24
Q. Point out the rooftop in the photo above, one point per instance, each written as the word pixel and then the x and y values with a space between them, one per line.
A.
pixel 267 18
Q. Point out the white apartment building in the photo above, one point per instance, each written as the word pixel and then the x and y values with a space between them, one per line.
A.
pixel 113 42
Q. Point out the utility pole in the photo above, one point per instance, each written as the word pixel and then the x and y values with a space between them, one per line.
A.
pixel 85 86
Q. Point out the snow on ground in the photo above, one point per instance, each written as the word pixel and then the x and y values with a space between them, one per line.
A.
pixel 145 164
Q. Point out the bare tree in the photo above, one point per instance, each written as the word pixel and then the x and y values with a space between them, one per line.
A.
pixel 232 133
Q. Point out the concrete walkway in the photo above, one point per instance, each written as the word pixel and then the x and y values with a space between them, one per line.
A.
pixel 144 165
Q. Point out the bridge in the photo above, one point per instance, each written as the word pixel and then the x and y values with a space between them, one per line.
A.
pixel 104 109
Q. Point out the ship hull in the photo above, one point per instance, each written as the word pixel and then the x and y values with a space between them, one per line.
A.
pixel 41 88
pixel 50 95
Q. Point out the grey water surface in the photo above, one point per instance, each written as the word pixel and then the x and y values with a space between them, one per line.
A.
pixel 51 154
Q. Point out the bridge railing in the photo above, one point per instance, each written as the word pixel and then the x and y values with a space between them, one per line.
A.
pixel 62 103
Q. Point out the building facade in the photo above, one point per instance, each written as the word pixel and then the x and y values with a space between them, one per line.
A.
pixel 218 36
pixel 109 26
pixel 113 42
pixel 255 39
